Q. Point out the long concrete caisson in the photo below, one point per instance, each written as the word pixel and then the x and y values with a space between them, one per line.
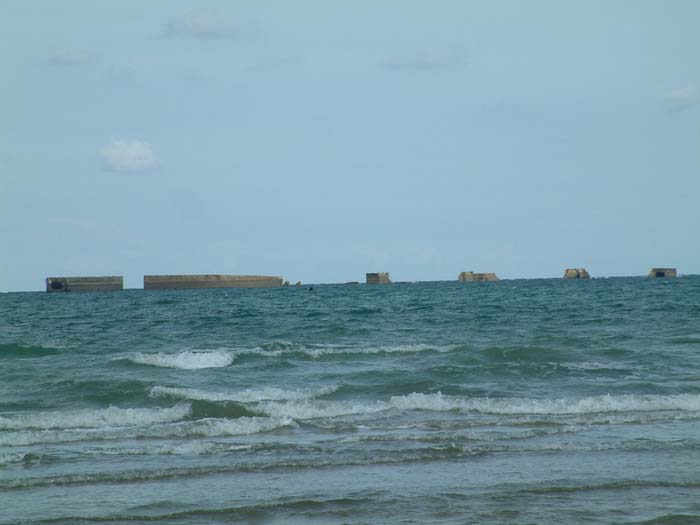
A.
pixel 112 283
pixel 181 282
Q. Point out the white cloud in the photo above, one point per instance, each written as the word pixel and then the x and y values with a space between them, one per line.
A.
pixel 129 155
pixel 200 24
pixel 682 99
pixel 69 58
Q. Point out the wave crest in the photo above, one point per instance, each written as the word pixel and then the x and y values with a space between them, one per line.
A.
pixel 279 348
pixel 106 417
pixel 185 360
pixel 243 396
pixel 516 406
pixel 318 409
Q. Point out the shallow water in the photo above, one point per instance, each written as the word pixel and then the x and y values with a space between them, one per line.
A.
pixel 525 401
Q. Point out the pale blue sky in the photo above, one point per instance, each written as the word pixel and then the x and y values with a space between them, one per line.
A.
pixel 321 140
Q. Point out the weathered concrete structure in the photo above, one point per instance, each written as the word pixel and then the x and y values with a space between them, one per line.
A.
pixel 663 272
pixel 468 277
pixel 112 283
pixel 180 282
pixel 378 278
pixel 576 273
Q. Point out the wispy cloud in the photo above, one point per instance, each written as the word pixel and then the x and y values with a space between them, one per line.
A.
pixel 682 99
pixel 198 23
pixel 425 61
pixel 129 156
pixel 69 58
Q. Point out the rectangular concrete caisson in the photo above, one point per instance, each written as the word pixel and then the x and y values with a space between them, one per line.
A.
pixel 181 282
pixel 662 272
pixel 576 273
pixel 468 277
pixel 111 283
pixel 378 278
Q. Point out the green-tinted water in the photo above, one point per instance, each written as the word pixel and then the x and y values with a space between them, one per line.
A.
pixel 540 401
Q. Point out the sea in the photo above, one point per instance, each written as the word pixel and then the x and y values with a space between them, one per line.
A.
pixel 540 401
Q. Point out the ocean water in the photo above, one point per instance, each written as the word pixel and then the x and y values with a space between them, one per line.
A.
pixel 523 401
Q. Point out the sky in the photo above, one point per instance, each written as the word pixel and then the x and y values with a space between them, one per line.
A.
pixel 321 140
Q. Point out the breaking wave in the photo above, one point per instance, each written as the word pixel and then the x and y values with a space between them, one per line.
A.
pixel 185 360
pixel 243 396
pixel 588 405
pixel 315 409
pixel 304 404
pixel 198 359
pixel 200 428
pixel 280 348
pixel 107 417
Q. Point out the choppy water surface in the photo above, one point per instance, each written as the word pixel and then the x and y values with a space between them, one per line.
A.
pixel 541 401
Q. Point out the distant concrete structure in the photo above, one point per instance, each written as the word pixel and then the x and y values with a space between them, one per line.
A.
pixel 112 283
pixel 576 273
pixel 378 278
pixel 468 277
pixel 663 272
pixel 181 282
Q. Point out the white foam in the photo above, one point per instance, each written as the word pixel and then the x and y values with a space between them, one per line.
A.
pixel 276 402
pixel 320 351
pixel 16 457
pixel 211 427
pixel 201 428
pixel 106 417
pixel 24 437
pixel 197 447
pixel 316 410
pixel 242 396
pixel 593 365
pixel 185 360
pixel 588 405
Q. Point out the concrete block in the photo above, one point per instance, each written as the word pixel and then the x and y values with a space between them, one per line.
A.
pixel 468 277
pixel 111 283
pixel 378 278
pixel 663 272
pixel 181 282
pixel 576 273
